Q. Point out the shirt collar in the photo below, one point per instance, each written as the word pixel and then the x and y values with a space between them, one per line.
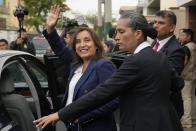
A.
pixel 164 41
pixel 141 46
pixel 79 69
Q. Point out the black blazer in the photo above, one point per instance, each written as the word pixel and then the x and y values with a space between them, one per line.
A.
pixel 175 53
pixel 143 87
pixel 176 56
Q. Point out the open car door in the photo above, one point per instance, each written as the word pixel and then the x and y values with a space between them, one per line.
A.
pixel 24 89
pixel 58 73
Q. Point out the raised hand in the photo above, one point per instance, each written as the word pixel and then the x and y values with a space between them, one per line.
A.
pixel 53 18
pixel 44 121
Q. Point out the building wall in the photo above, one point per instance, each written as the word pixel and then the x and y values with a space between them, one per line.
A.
pixel 3 15
pixel 166 4
pixel 182 18
pixel 12 20
pixel 182 2
pixel 9 35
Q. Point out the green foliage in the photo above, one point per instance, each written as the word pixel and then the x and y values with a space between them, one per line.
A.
pixel 38 10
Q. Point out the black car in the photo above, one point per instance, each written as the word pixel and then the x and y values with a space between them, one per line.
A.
pixel 30 89
pixel 6 123
pixel 41 46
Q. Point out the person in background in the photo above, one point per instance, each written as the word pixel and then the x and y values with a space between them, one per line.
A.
pixel 166 43
pixel 186 37
pixel 22 43
pixel 68 34
pixel 69 37
pixel 110 42
pixel 112 33
pixel 4 44
pixel 108 46
pixel 88 69
pixel 141 83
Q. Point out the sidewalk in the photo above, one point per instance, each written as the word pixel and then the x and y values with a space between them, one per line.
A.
pixel 193 128
pixel 190 129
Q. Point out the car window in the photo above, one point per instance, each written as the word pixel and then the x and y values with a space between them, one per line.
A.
pixel 23 85
pixel 39 74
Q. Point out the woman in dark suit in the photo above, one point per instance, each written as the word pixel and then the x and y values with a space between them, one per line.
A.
pixel 89 68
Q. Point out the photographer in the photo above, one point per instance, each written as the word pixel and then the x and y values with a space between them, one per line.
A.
pixel 69 37
pixel 70 27
pixel 22 43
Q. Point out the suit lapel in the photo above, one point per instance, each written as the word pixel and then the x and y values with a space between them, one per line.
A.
pixel 164 48
pixel 83 78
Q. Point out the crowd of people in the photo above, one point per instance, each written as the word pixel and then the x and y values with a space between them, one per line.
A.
pixel 22 43
pixel 155 78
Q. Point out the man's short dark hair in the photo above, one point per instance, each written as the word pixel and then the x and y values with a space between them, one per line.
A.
pixel 169 14
pixel 4 40
pixel 188 31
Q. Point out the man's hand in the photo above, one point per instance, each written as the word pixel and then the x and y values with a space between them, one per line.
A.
pixel 44 121
pixel 53 18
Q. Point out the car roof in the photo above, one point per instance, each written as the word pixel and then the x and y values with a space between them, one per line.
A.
pixel 7 54
pixel 4 53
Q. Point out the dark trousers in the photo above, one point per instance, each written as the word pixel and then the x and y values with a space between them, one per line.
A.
pixel 176 100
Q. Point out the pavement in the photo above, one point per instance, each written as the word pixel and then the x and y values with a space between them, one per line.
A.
pixel 194 125
pixel 190 129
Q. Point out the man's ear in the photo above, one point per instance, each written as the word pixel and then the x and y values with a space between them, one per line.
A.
pixel 138 34
pixel 172 28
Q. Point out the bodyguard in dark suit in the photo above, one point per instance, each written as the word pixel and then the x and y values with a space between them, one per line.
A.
pixel 141 83
pixel 166 43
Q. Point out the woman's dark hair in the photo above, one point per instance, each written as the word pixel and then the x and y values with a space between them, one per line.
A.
pixel 96 40
pixel 110 44
pixel 139 22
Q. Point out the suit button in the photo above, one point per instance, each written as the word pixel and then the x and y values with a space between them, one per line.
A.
pixel 85 91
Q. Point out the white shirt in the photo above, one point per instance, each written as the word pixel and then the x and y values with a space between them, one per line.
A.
pixel 163 42
pixel 141 46
pixel 72 84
